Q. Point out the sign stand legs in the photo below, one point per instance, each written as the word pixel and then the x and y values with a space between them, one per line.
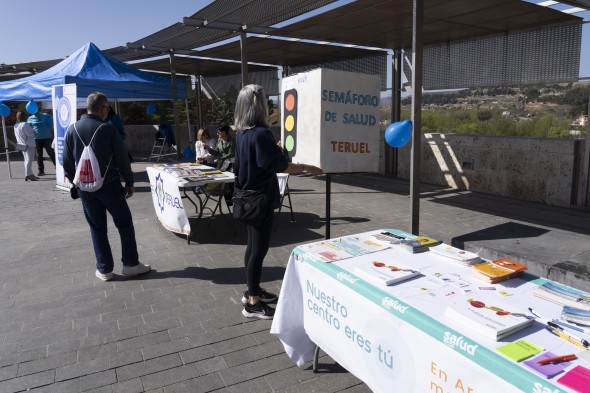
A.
pixel 328 192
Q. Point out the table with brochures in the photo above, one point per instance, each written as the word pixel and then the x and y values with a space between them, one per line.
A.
pixel 399 337
pixel 171 184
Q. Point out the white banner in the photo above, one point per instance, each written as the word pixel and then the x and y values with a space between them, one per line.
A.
pixel 396 338
pixel 168 202
pixel 64 114
pixel 383 351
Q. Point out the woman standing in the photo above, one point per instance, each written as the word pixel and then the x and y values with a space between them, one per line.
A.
pixel 26 135
pixel 259 159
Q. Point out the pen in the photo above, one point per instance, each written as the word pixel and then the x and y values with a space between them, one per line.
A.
pixel 558 359
pixel 570 326
pixel 539 317
pixel 568 333
pixel 566 338
pixel 562 327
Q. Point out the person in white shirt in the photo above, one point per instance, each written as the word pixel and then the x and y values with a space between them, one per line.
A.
pixel 25 135
pixel 204 140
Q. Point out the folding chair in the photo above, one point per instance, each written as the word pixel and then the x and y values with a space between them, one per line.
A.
pixel 284 191
pixel 159 148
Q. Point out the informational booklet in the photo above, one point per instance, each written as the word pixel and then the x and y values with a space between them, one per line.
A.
pixel 498 270
pixel 578 379
pixel 393 236
pixel 382 272
pixel 488 317
pixel 343 248
pixel 563 295
pixel 456 254
pixel 576 315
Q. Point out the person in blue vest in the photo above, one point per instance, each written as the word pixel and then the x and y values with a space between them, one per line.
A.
pixel 42 124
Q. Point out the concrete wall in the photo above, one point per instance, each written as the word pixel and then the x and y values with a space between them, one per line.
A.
pixel 533 169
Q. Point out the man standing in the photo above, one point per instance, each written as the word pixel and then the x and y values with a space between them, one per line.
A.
pixel 42 123
pixel 112 158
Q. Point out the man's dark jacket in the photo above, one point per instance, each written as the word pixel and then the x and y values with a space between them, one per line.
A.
pixel 106 144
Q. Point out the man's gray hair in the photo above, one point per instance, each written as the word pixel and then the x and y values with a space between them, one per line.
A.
pixel 95 101
pixel 251 108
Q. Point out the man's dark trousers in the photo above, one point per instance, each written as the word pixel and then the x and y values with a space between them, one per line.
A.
pixel 110 197
pixel 39 145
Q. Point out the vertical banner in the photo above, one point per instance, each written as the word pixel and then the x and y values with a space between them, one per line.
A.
pixel 64 114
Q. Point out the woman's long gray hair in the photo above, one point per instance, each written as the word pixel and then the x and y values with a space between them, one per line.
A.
pixel 251 108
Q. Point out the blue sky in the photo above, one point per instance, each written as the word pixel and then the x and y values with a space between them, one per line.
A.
pixel 43 30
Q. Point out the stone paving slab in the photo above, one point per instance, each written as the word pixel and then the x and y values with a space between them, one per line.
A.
pixel 180 329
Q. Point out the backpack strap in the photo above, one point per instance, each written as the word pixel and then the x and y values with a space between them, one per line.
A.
pixel 89 143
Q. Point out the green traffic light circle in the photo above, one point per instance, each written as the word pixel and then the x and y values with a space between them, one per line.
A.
pixel 289 143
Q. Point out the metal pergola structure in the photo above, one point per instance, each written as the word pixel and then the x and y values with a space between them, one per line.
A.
pixel 389 24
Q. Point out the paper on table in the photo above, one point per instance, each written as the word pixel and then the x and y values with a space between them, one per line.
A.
pixel 547 370
pixel 519 350
pixel 577 379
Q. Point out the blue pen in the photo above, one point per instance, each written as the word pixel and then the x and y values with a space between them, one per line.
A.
pixel 573 327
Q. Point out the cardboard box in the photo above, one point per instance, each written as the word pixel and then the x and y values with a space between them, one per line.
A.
pixel 330 119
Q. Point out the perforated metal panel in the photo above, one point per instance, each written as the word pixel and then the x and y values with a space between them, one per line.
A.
pixel 547 55
pixel 257 12
pixel 374 65
pixel 222 85
pixel 260 13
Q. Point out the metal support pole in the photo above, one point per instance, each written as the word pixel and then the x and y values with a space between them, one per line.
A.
pixel 396 102
pixel 188 123
pixel 417 46
pixel 6 148
pixel 177 135
pixel 199 101
pixel 244 56
pixel 328 196
pixel 584 190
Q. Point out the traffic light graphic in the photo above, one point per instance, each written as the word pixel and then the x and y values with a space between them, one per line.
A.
pixel 290 121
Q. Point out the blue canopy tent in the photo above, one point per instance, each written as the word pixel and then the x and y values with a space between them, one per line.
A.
pixel 92 70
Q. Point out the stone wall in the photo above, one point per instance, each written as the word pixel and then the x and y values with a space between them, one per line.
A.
pixel 532 169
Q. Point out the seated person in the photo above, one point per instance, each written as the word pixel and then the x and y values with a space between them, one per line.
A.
pixel 224 151
pixel 204 141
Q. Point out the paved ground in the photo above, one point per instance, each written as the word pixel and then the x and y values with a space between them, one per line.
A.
pixel 180 328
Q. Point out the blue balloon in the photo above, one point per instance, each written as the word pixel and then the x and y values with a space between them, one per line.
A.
pixel 399 133
pixel 32 107
pixel 151 109
pixel 4 110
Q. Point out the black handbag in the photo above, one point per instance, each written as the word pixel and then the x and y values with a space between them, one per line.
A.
pixel 250 206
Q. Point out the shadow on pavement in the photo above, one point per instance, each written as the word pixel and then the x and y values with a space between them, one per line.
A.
pixel 509 230
pixel 215 275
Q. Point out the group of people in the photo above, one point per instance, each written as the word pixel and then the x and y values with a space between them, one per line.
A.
pixel 35 134
pixel 259 159
pixel 218 153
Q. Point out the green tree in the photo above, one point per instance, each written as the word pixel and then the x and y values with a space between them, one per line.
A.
pixel 222 111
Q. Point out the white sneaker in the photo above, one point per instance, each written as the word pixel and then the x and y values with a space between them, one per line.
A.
pixel 104 276
pixel 136 270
